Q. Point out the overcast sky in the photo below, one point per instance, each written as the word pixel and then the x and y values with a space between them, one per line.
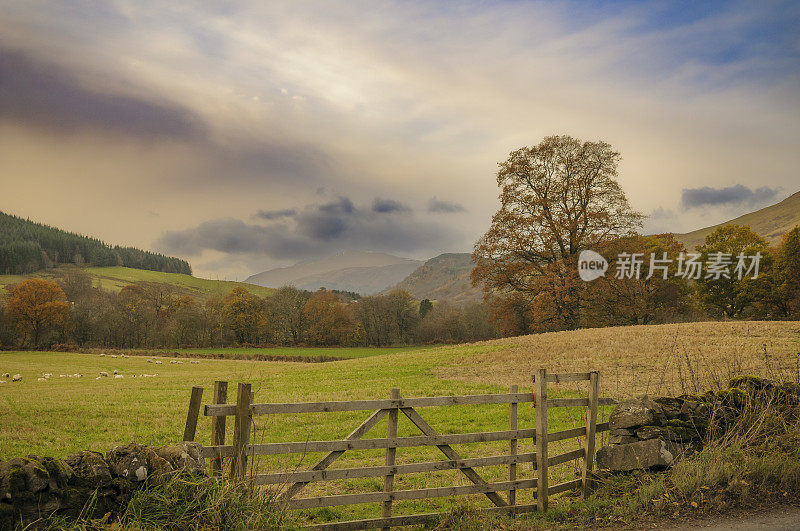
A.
pixel 247 135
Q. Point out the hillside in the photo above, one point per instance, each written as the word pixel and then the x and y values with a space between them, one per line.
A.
pixel 27 246
pixel 771 222
pixel 444 277
pixel 357 271
pixel 115 278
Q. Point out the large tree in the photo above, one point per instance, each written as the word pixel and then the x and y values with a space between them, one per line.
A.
pixel 557 198
pixel 787 275
pixel 37 306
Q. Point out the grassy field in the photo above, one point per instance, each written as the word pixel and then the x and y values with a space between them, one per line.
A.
pixel 115 278
pixel 64 415
pixel 244 353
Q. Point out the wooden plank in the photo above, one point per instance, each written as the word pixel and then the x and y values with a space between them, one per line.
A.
pixel 567 377
pixel 391 451
pixel 195 401
pixel 542 437
pixel 575 484
pixel 379 471
pixel 412 519
pixel 218 426
pixel 603 426
pixel 241 432
pixel 450 453
pixel 566 457
pixel 373 444
pixel 566 434
pixel 413 494
pixel 512 447
pixel 326 461
pixel 591 427
pixel 216 410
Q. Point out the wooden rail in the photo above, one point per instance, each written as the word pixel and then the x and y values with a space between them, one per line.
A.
pixel 241 449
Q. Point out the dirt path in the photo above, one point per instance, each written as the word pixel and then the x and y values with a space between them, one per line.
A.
pixel 778 519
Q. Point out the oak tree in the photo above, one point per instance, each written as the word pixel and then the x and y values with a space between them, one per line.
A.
pixel 37 306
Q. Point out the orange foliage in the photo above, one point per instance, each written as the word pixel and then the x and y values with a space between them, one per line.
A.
pixel 37 305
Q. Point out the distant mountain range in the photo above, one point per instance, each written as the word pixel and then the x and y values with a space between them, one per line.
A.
pixel 444 277
pixel 357 271
pixel 771 222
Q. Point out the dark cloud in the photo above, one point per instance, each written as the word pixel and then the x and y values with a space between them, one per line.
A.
pixel 35 93
pixel 729 196
pixel 315 230
pixel 388 206
pixel 444 207
pixel 276 214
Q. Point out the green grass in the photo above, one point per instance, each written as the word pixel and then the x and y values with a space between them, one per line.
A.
pixel 115 278
pixel 64 415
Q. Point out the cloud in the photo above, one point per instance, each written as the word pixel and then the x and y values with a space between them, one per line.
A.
pixel 315 230
pixel 728 196
pixel 276 214
pixel 34 92
pixel 388 206
pixel 444 207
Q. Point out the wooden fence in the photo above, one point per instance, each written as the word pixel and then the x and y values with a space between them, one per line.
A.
pixel 240 450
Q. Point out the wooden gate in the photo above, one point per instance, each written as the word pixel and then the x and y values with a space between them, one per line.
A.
pixel 241 448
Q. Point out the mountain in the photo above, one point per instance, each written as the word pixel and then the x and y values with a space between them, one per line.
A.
pixel 358 271
pixel 27 246
pixel 771 222
pixel 444 277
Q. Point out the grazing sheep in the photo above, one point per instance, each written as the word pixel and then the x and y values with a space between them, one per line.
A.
pixel 99 378
pixel 104 374
pixel 16 378
pixel 116 371
pixel 194 361
pixel 76 375
pixel 6 375
pixel 173 361
pixel 3 381
pixel 113 355
pixel 47 374
pixel 158 362
pixel 102 354
pixel 149 361
pixel 118 376
pixel 41 379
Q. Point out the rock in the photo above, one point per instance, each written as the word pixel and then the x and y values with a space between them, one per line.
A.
pixel 89 469
pixel 183 456
pixel 623 431
pixel 671 407
pixel 137 463
pixel 622 439
pixel 652 453
pixel 636 412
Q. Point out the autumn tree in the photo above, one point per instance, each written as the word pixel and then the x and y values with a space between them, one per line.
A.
pixel 557 198
pixel 287 314
pixel 245 315
pixel 328 320
pixel 37 306
pixel 787 275
pixel 735 293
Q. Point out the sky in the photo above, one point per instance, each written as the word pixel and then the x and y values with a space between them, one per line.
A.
pixel 244 136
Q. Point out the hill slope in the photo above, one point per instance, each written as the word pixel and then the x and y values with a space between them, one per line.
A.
pixel 771 222
pixel 27 246
pixel 115 278
pixel 444 277
pixel 358 271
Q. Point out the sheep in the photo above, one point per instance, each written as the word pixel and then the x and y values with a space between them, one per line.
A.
pixel 149 361
pixel 173 361
pixel 16 378
pixel 113 355
pixel 102 354
pixel 76 375
pixel 99 378
pixel 116 371
pixel 194 361
pixel 104 374
pixel 3 381
pixel 118 376
pixel 6 375
pixel 158 362
pixel 47 374
pixel 41 379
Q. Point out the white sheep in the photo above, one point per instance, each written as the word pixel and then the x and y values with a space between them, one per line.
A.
pixel 116 371
pixel 99 378
pixel 47 374
pixel 194 361
pixel 76 375
pixel 16 378
pixel 6 375
pixel 113 355
pixel 102 354
pixel 3 381
pixel 118 376
pixel 158 362
pixel 149 361
pixel 173 361
pixel 104 374
pixel 41 379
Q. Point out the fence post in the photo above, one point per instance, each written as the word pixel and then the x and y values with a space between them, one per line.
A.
pixel 241 431
pixel 391 433
pixel 195 402
pixel 218 426
pixel 591 425
pixel 512 468
pixel 540 393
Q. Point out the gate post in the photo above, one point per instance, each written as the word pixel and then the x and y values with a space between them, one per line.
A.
pixel 540 395
pixel 512 468
pixel 391 451
pixel 591 426
pixel 218 426
pixel 241 431
pixel 195 402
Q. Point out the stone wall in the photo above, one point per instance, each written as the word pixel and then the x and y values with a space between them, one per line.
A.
pixel 33 487
pixel 654 432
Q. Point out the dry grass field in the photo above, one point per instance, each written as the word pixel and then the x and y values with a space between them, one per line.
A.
pixel 657 359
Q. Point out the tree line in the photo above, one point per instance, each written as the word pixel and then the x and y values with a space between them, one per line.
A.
pixel 72 312
pixel 28 246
